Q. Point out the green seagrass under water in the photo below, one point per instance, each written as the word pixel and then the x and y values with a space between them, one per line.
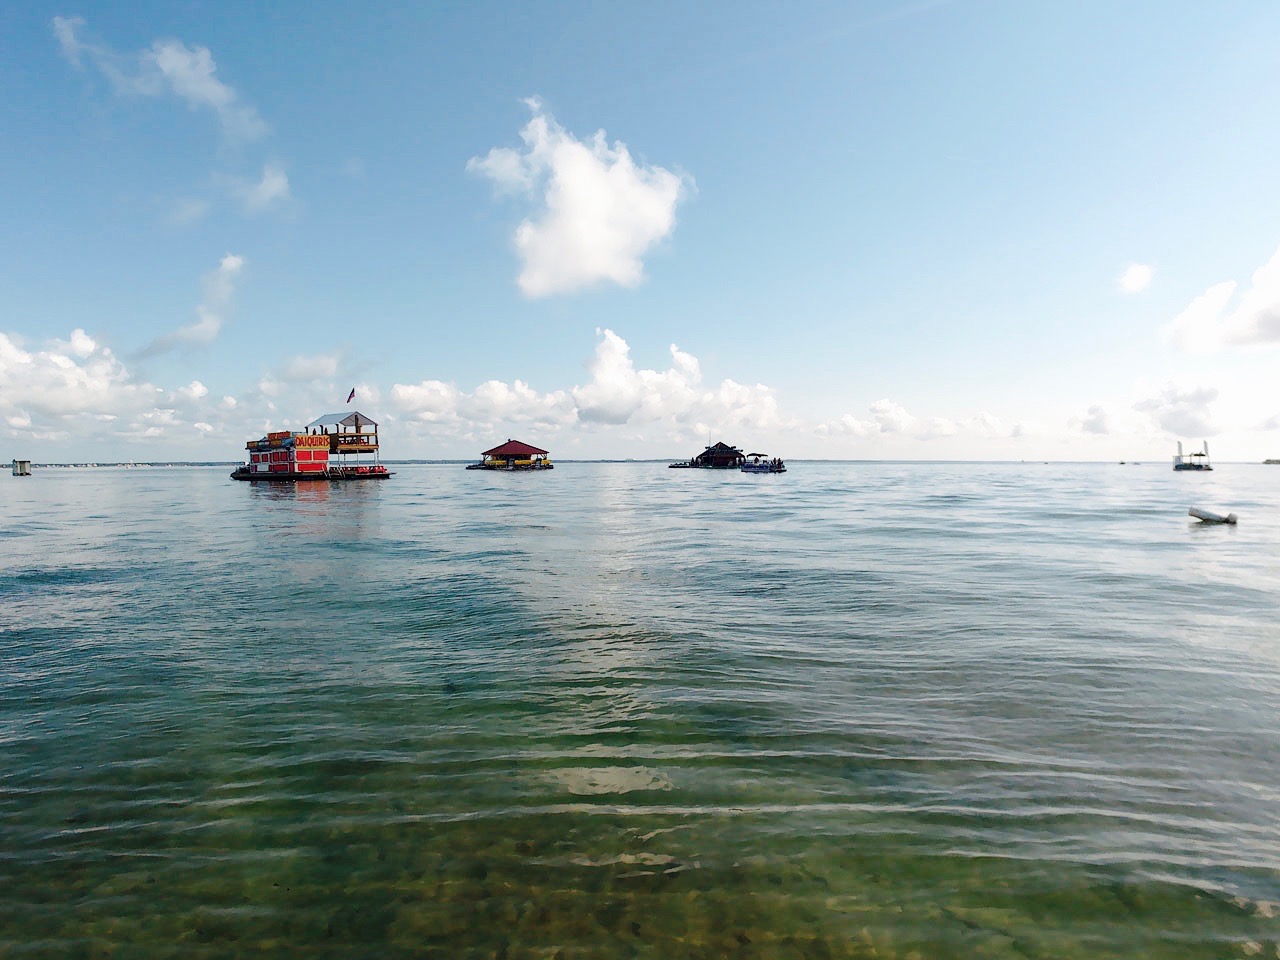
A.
pixel 857 710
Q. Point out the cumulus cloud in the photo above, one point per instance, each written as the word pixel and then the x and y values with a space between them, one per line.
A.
pixel 1136 278
pixel 892 419
pixel 44 390
pixel 167 67
pixel 1096 422
pixel 218 289
pixel 597 212
pixel 1198 328
pixel 617 393
pixel 1181 413
pixel 1207 324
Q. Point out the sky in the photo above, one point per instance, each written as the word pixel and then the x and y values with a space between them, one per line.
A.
pixel 867 229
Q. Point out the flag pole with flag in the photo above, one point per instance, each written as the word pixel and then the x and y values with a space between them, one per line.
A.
pixel 352 395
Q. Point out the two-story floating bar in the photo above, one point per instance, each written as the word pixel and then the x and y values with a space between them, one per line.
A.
pixel 513 455
pixel 337 446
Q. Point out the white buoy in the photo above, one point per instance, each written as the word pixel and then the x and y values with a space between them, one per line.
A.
pixel 1207 516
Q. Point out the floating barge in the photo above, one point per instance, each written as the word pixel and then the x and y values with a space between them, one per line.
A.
pixel 763 463
pixel 1192 461
pixel 514 455
pixel 718 456
pixel 332 447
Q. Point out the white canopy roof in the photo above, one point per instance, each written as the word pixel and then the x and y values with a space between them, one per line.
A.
pixel 352 419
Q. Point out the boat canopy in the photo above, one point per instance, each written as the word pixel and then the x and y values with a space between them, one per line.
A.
pixel 353 419
pixel 515 448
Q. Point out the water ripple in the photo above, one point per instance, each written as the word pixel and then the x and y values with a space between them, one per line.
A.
pixel 860 710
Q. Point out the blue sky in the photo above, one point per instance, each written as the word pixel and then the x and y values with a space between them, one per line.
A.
pixel 921 230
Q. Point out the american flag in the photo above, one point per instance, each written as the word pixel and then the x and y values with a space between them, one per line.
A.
pixel 352 395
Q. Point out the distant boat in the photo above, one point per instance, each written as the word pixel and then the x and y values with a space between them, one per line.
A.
pixel 1192 461
pixel 761 463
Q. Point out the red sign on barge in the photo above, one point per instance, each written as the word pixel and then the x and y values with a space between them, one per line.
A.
pixel 331 447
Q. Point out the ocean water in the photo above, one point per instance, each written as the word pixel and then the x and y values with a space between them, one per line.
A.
pixel 857 710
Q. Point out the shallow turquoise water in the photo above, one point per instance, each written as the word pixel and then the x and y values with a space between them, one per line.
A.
pixel 857 710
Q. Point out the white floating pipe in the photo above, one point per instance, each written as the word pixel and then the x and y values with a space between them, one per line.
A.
pixel 1207 516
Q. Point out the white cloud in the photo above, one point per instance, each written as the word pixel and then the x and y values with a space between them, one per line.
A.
pixel 1198 328
pixel 75 391
pixel 597 215
pixel 66 29
pixel 270 190
pixel 431 401
pixel 218 289
pixel 847 425
pixel 187 210
pixel 616 394
pixel 1206 325
pixel 495 402
pixel 166 67
pixel 189 73
pixel 619 393
pixel 492 404
pixel 892 419
pixel 1136 278
pixel 1096 422
pixel 315 367
pixel 71 378
pixel 1181 413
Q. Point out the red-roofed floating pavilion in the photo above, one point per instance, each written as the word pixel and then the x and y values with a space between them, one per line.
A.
pixel 513 455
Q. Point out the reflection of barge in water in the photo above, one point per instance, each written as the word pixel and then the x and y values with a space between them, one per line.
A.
pixel 329 448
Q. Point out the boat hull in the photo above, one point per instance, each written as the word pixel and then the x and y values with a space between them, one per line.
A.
pixel 334 473
pixel 485 466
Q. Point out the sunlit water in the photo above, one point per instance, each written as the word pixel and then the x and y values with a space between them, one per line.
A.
pixel 857 710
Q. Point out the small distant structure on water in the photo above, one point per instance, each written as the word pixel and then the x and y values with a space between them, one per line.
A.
pixel 763 463
pixel 718 456
pixel 22 468
pixel 331 447
pixel 1192 461
pixel 513 455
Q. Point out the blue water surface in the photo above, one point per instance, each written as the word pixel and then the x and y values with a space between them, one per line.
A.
pixel 614 710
